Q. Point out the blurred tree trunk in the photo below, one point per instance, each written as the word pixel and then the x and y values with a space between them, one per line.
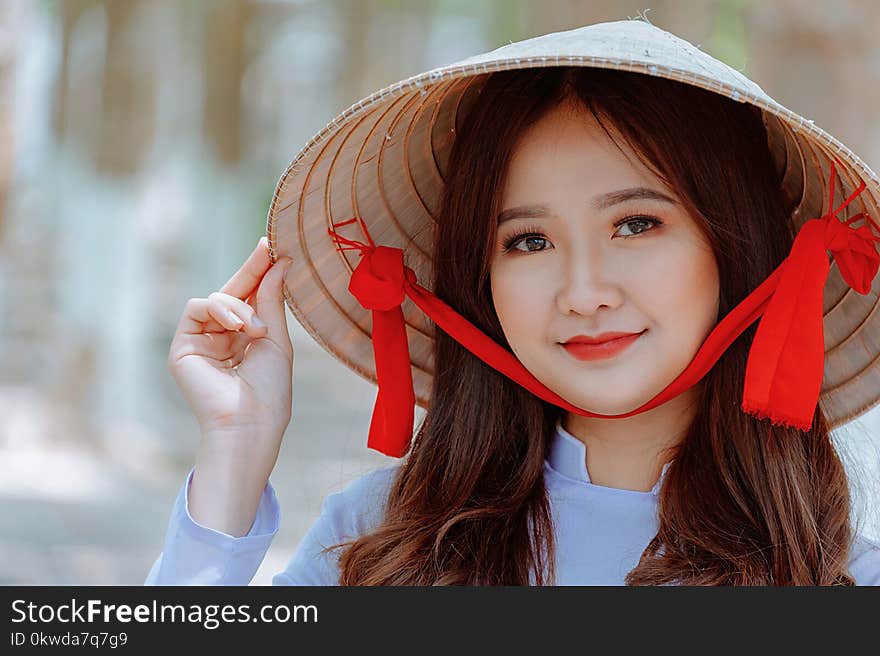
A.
pixel 117 138
pixel 821 60
pixel 70 13
pixel 225 61
pixel 128 95
pixel 8 48
pixel 356 18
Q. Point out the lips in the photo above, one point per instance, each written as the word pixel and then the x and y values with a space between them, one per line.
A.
pixel 608 348
pixel 598 339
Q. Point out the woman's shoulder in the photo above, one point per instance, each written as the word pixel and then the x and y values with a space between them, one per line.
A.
pixel 371 484
pixel 357 508
pixel 359 505
pixel 864 561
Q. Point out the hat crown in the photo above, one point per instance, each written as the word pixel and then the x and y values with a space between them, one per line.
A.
pixel 631 40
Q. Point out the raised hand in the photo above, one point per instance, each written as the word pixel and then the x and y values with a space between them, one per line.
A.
pixel 232 358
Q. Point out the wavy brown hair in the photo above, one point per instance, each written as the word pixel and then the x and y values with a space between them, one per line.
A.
pixel 743 502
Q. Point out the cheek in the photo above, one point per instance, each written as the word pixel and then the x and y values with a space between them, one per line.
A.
pixel 520 298
pixel 691 303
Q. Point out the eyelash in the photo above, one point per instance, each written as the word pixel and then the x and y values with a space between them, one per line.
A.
pixel 535 231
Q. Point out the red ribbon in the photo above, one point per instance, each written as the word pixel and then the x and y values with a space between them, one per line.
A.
pixel 786 360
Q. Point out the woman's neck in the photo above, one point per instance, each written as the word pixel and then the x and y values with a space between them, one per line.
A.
pixel 630 453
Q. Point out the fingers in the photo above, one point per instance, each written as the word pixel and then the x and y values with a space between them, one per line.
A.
pixel 269 302
pixel 220 312
pixel 194 318
pixel 244 281
pixel 251 303
pixel 234 314
pixel 226 348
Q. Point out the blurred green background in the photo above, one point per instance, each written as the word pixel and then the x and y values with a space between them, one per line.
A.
pixel 140 142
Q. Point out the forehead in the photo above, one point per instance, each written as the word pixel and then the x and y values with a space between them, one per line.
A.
pixel 567 150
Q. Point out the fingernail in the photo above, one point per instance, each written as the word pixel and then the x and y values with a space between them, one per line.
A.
pixel 256 322
pixel 234 318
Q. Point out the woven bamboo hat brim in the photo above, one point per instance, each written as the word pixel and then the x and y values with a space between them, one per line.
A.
pixel 384 159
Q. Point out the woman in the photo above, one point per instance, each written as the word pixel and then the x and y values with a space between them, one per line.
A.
pixel 579 463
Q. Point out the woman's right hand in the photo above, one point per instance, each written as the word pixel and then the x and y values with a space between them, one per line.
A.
pixel 235 373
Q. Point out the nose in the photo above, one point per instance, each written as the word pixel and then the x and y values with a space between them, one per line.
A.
pixel 588 284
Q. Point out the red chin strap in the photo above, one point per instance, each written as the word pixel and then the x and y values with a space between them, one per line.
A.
pixel 786 361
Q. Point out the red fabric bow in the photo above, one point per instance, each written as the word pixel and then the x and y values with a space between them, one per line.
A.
pixel 786 360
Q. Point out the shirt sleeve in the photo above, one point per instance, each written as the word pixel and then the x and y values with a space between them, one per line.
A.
pixel 194 554
pixel 864 564
pixel 345 515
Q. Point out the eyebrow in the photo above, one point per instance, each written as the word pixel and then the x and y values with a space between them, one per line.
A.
pixel 601 202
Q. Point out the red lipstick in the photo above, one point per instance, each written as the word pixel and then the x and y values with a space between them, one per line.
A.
pixel 606 345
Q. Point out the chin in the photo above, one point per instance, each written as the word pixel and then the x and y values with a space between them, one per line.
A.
pixel 590 404
pixel 602 406
pixel 607 409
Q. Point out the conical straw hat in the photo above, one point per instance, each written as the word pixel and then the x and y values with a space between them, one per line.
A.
pixel 384 159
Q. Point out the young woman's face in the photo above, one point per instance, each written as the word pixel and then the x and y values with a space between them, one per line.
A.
pixel 598 259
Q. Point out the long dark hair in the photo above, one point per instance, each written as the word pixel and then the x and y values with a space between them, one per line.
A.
pixel 743 502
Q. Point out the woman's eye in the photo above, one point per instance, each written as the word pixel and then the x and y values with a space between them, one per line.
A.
pixel 642 224
pixel 532 242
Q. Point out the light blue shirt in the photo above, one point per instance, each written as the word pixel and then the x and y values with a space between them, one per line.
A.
pixel 600 531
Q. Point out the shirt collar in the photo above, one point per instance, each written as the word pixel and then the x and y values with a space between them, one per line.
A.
pixel 568 456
